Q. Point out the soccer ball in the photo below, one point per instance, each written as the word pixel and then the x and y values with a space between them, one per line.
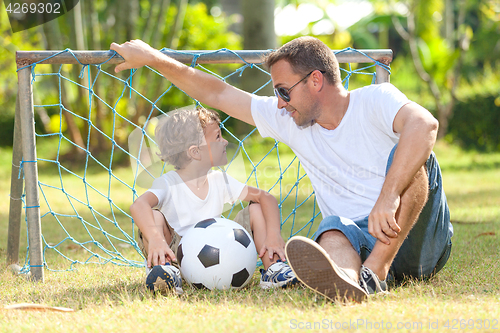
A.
pixel 217 253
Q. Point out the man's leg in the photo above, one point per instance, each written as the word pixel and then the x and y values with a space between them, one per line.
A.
pixel 428 245
pixel 341 250
pixel 412 201
pixel 331 266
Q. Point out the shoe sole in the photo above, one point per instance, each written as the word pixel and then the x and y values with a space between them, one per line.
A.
pixel 314 268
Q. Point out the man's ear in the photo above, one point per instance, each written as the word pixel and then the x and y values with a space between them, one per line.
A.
pixel 193 152
pixel 318 79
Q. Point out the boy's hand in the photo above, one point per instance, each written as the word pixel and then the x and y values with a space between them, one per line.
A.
pixel 136 54
pixel 273 246
pixel 159 253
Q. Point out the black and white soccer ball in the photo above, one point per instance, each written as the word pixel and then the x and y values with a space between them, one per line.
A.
pixel 217 253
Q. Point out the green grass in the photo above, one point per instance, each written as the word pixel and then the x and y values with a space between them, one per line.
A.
pixel 113 298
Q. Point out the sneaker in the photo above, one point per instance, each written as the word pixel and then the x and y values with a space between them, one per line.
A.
pixel 370 282
pixel 314 268
pixel 278 274
pixel 163 278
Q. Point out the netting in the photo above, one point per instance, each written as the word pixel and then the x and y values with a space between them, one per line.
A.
pixel 96 153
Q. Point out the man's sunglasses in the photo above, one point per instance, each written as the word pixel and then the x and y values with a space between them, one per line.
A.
pixel 284 93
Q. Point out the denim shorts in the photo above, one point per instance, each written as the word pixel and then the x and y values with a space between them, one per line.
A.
pixel 428 245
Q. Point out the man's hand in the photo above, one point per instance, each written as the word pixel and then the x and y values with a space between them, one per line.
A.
pixel 159 253
pixel 136 54
pixel 382 222
pixel 273 245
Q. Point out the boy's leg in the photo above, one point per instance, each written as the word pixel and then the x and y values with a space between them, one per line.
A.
pixel 243 219
pixel 171 237
pixel 258 225
pixel 167 277
pixel 276 273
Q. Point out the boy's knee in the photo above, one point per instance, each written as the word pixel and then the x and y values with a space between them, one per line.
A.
pixel 160 220
pixel 254 208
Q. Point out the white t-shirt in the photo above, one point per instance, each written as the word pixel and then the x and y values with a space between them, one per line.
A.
pixel 346 165
pixel 182 208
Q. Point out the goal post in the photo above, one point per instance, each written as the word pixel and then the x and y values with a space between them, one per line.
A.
pixel 24 160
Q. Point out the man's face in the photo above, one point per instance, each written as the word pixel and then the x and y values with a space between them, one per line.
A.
pixel 301 107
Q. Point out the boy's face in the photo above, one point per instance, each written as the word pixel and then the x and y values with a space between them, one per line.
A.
pixel 215 149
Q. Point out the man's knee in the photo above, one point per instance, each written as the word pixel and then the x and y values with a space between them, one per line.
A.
pixel 335 236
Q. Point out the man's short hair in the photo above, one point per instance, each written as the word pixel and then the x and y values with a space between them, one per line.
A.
pixel 306 54
pixel 181 129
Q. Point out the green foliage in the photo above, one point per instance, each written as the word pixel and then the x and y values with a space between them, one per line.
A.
pixel 102 23
pixel 484 19
pixel 438 58
pixel 202 31
pixel 474 124
pixel 429 17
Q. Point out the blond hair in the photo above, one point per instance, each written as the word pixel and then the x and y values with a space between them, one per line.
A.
pixel 181 129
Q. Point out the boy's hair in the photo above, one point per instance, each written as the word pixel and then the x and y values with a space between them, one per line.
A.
pixel 180 130
pixel 306 54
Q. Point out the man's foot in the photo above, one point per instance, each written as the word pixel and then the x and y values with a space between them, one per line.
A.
pixel 278 274
pixel 370 282
pixel 163 278
pixel 314 268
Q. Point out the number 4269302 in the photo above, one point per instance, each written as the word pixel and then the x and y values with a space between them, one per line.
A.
pixel 41 8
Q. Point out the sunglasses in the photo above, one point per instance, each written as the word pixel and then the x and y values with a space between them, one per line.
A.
pixel 284 93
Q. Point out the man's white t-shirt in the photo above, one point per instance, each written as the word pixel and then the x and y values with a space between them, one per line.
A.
pixel 347 165
pixel 182 208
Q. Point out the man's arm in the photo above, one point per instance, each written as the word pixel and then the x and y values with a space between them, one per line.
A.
pixel 202 86
pixel 418 130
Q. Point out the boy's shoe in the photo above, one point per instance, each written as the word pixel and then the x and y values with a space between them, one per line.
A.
pixel 314 268
pixel 370 282
pixel 163 278
pixel 278 274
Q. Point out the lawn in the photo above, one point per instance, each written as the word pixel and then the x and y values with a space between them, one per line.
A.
pixel 465 295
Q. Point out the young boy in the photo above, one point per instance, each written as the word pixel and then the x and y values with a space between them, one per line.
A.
pixel 191 141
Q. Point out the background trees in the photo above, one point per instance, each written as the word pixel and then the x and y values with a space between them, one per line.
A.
pixel 447 53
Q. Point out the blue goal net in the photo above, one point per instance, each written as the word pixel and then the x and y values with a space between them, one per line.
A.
pixel 96 152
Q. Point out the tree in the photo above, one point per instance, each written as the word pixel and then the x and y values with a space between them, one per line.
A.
pixel 94 25
pixel 258 34
pixel 437 52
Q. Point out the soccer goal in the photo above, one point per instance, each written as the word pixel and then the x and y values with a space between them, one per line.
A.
pixel 84 150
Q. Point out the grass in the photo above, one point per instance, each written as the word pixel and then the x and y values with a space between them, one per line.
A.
pixel 464 295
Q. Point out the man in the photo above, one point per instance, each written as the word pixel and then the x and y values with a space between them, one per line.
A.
pixel 368 154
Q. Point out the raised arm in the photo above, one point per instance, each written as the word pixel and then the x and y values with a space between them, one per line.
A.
pixel 204 87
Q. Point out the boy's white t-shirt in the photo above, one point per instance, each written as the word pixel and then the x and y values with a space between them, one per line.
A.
pixel 182 208
pixel 347 165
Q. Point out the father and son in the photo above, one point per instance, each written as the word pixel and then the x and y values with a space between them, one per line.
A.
pixel 367 152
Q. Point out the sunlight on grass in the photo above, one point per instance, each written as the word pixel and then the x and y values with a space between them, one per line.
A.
pixel 111 297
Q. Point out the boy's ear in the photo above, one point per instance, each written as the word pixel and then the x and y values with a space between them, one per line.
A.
pixel 193 152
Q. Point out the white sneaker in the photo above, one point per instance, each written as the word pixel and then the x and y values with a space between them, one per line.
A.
pixel 163 278
pixel 278 274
